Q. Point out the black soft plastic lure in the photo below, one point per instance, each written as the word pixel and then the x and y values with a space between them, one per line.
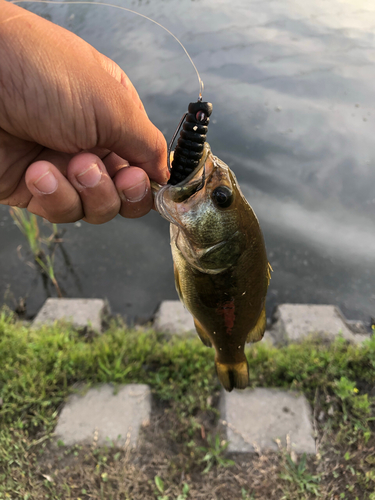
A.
pixel 190 145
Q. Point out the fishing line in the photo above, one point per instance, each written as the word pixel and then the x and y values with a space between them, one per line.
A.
pixel 83 2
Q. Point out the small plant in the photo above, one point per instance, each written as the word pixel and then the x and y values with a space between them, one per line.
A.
pixel 28 224
pixel 185 492
pixel 356 409
pixel 214 453
pixel 246 496
pixel 299 475
pixel 47 266
pixel 159 483
pixel 345 388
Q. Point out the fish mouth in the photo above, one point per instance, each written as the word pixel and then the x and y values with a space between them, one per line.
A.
pixel 169 194
pixel 196 171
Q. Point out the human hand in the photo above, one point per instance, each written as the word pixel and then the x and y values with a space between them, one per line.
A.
pixel 71 123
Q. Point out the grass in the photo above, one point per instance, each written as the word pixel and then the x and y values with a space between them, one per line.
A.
pixel 182 453
pixel 28 225
pixel 42 247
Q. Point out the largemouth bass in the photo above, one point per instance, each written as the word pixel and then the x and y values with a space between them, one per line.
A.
pixel 220 264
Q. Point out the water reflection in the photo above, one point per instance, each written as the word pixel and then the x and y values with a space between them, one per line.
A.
pixel 293 95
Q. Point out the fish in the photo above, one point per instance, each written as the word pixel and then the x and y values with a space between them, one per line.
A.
pixel 221 268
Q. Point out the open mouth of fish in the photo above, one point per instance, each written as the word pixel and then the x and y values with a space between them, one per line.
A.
pixel 191 183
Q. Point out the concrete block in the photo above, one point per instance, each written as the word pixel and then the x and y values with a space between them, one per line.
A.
pixel 172 317
pixel 296 321
pixel 104 414
pixel 268 338
pixel 356 326
pixel 81 312
pixel 255 418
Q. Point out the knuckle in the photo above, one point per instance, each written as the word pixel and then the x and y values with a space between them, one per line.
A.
pixel 63 214
pixel 136 209
pixel 135 212
pixel 102 213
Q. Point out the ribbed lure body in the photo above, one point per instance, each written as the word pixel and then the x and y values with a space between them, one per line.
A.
pixel 190 145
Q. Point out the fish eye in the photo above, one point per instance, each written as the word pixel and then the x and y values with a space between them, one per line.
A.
pixel 222 196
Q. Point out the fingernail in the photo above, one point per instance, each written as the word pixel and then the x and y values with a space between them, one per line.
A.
pixel 47 183
pixel 90 177
pixel 135 193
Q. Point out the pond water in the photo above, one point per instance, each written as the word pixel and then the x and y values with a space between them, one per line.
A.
pixel 292 87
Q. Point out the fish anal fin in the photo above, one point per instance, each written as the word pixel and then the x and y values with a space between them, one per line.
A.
pixel 233 376
pixel 202 334
pixel 257 332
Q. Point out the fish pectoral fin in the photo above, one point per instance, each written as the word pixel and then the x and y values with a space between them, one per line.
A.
pixel 269 270
pixel 177 282
pixel 200 330
pixel 202 334
pixel 233 376
pixel 257 332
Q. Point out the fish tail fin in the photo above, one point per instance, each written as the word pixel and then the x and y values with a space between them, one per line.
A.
pixel 233 376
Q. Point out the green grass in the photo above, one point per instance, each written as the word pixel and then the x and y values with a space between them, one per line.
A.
pixel 39 368
pixel 42 247
pixel 28 225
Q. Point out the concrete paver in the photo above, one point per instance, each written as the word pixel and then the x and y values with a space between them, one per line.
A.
pixel 172 317
pixel 296 321
pixel 81 312
pixel 255 418
pixel 103 414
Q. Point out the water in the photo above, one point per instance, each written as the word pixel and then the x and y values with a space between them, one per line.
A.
pixel 293 115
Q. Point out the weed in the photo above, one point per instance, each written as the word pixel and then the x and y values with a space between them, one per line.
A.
pixel 345 388
pixel 185 492
pixel 300 477
pixel 27 223
pixel 160 490
pixel 47 265
pixel 214 453
pixel 40 246
pixel 246 496
pixel 159 483
pixel 356 411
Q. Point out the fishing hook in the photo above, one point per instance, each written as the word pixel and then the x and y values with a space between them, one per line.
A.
pixel 172 141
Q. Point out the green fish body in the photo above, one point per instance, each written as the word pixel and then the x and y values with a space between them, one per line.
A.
pixel 220 263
